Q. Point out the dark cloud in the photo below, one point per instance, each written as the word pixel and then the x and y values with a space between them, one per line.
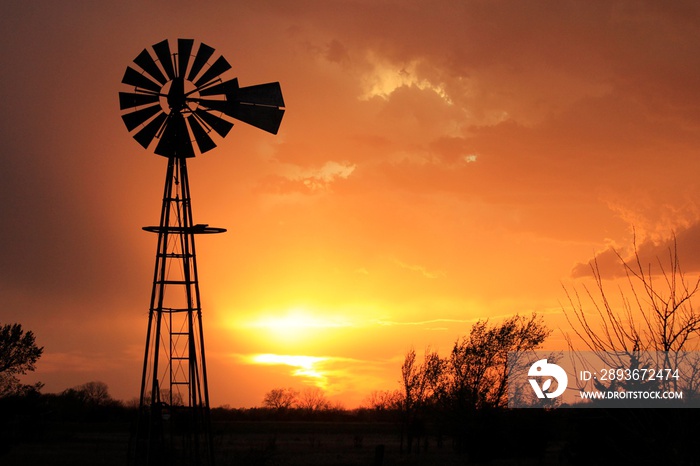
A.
pixel 653 255
pixel 337 53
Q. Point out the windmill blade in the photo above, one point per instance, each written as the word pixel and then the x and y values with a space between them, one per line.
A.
pixel 136 79
pixel 146 135
pixel 130 100
pixel 204 142
pixel 214 71
pixel 175 140
pixel 218 124
pixel 261 94
pixel 184 50
pixel 203 54
pixel 134 119
pixel 226 87
pixel 263 117
pixel 162 50
pixel 218 105
pixel 146 62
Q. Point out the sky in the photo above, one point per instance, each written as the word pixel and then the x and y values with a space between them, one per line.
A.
pixel 438 163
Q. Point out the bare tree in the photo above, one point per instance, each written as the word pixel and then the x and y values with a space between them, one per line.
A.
pixel 313 399
pixel 655 316
pixel 383 400
pixel 280 398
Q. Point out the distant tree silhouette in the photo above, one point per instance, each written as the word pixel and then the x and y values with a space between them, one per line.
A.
pixel 92 393
pixel 383 400
pixel 18 355
pixel 310 399
pixel 280 398
pixel 313 399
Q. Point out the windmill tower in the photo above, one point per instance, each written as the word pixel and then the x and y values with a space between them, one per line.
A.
pixel 179 98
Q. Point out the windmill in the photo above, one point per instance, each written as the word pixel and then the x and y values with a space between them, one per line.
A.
pixel 178 98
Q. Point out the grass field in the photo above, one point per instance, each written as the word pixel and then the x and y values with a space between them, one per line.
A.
pixel 250 443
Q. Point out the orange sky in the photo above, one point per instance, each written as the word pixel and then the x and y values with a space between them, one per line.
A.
pixel 438 162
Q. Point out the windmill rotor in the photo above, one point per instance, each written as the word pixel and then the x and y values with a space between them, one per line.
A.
pixel 180 98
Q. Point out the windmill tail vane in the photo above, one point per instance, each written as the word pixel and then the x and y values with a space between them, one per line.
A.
pixel 181 100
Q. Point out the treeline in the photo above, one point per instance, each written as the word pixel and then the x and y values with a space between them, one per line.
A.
pixel 481 433
pixel 31 416
pixel 457 401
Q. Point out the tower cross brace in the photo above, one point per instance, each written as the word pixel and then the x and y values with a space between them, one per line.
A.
pixel 173 424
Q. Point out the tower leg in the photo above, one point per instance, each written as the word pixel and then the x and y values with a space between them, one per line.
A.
pixel 173 424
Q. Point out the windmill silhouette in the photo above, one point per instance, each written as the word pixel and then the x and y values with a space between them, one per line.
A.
pixel 179 99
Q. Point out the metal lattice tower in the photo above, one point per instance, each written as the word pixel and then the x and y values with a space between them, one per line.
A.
pixel 174 399
pixel 180 101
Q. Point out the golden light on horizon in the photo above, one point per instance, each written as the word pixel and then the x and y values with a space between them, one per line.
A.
pixel 296 324
pixel 304 366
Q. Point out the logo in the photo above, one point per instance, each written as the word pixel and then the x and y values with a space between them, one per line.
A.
pixel 542 368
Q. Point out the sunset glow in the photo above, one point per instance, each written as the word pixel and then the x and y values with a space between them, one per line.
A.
pixel 294 324
pixel 303 366
pixel 438 163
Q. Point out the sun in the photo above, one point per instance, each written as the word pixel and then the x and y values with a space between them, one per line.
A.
pixel 298 334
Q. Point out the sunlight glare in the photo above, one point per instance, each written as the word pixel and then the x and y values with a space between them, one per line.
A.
pixel 305 366
pixel 295 324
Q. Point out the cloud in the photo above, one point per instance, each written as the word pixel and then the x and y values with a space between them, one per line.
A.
pixel 337 52
pixel 556 128
pixel 384 78
pixel 420 269
pixel 607 262
pixel 308 367
pixel 391 323
pixel 307 180
pixel 654 256
pixel 453 150
pixel 333 374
